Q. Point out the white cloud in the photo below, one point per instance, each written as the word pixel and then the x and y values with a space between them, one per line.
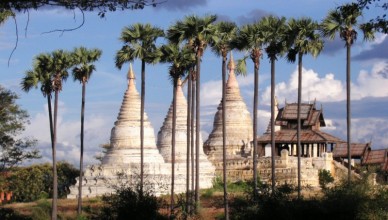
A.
pixel 97 131
pixel 324 89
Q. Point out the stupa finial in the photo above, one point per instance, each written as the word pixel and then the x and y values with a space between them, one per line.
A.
pixel 231 64
pixel 131 74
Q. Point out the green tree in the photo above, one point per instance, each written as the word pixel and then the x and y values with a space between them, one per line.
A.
pixel 181 59
pixel 250 38
pixel 139 43
pixel 274 29
pixel 303 39
pixel 197 32
pixel 13 150
pixel 344 20
pixel 40 181
pixel 221 46
pixel 83 59
pixel 50 70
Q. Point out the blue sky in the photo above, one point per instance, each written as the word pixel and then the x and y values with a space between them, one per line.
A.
pixel 324 77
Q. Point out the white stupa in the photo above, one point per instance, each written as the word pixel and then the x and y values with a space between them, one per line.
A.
pixel 238 125
pixel 207 170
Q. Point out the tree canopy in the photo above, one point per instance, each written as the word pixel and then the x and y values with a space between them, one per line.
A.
pixel 13 150
pixel 102 7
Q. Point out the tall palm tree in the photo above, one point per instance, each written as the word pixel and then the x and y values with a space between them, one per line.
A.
pixel 61 62
pixel 50 70
pixel 83 59
pixel 274 33
pixel 199 32
pixel 344 20
pixel 181 60
pixel 221 46
pixel 250 38
pixel 303 39
pixel 139 43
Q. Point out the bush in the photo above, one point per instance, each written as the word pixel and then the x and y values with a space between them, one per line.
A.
pixel 325 178
pixel 40 181
pixel 10 214
pixel 129 202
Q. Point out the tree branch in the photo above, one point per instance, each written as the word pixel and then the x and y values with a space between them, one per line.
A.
pixel 17 39
pixel 69 29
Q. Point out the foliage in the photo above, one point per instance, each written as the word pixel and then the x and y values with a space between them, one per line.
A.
pixel 129 201
pixel 380 22
pixel 39 179
pixel 12 121
pixel 357 200
pixel 10 214
pixel 101 6
pixel 325 178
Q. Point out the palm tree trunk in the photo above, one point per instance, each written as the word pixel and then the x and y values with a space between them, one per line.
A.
pixel 50 111
pixel 81 161
pixel 142 125
pixel 255 103
pixel 188 139
pixel 173 149
pixel 300 56
pixel 273 123
pixel 55 178
pixel 193 129
pixel 226 207
pixel 198 130
pixel 348 112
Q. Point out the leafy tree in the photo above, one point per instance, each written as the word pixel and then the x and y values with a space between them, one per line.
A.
pixel 83 59
pixel 274 30
pixel 101 6
pixel 379 23
pixel 344 21
pixel 303 39
pixel 40 181
pixel 13 150
pixel 250 38
pixel 197 32
pixel 139 43
pixel 221 46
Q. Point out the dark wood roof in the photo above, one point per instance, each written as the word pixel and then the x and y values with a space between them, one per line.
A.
pixel 357 150
pixel 288 136
pixel 308 114
pixel 375 157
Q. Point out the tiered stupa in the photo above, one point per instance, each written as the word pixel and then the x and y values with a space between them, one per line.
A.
pixel 121 163
pixel 207 170
pixel 238 127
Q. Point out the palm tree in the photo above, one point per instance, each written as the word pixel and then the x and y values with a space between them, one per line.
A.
pixel 250 38
pixel 274 34
pixel 344 21
pixel 303 39
pixel 139 43
pixel 225 33
pixel 82 73
pixel 61 62
pixel 199 32
pixel 50 70
pixel 181 60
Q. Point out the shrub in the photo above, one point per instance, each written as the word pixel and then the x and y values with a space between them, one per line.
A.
pixel 129 202
pixel 325 178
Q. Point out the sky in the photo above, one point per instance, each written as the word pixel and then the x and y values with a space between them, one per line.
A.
pixel 323 77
